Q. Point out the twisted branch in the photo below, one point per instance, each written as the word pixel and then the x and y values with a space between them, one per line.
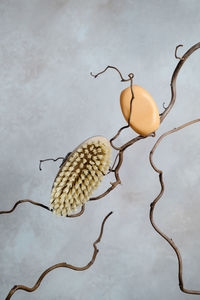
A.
pixel 115 170
pixel 153 204
pixel 123 147
pixel 162 115
pixel 62 265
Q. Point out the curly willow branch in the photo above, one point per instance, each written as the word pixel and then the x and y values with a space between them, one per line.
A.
pixel 162 115
pixel 121 149
pixel 153 204
pixel 119 159
pixel 139 137
pixel 61 265
pixel 40 205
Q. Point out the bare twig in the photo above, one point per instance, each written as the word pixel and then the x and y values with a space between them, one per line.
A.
pixel 41 205
pixel 61 265
pixel 48 159
pixel 131 75
pixel 153 204
pixel 52 159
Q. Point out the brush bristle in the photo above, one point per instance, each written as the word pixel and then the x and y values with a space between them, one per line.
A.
pixel 80 175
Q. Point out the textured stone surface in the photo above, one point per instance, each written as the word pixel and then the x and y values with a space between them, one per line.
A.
pixel 50 104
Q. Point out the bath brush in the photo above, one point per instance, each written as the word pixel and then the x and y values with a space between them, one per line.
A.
pixel 79 175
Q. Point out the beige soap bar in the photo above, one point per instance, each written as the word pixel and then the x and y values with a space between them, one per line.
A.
pixel 145 117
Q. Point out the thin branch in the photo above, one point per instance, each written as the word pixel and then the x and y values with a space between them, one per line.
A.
pixel 116 135
pixel 40 205
pixel 129 118
pixel 79 213
pixel 48 159
pixel 23 201
pixel 52 159
pixel 153 204
pixel 131 75
pixel 174 77
pixel 61 265
pixel 112 169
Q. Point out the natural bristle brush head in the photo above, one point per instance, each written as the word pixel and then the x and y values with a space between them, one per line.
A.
pixel 80 175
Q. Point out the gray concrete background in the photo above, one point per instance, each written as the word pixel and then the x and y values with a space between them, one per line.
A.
pixel 49 104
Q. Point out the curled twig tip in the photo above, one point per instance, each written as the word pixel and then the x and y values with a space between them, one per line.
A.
pixel 163 105
pixel 177 47
pixel 110 213
pixel 131 75
pixel 92 75
pixel 40 168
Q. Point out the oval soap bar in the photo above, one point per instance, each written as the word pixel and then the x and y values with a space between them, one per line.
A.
pixel 145 117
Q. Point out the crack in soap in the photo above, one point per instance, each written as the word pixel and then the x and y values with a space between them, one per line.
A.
pixel 145 118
